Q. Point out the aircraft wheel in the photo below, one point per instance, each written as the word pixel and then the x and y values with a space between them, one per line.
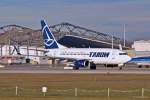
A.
pixel 147 66
pixel 93 66
pixel 140 66
pixel 120 68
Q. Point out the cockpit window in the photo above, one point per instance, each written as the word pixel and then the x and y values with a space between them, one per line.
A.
pixel 122 53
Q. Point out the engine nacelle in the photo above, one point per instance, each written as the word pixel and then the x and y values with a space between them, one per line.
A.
pixel 81 63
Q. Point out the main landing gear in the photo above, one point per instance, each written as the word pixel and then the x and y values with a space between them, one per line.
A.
pixel 92 66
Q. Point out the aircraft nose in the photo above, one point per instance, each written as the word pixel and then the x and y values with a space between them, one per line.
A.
pixel 128 58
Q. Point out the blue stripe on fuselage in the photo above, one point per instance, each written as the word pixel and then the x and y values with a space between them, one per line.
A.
pixel 140 59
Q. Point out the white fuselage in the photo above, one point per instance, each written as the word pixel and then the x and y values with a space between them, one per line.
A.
pixel 96 55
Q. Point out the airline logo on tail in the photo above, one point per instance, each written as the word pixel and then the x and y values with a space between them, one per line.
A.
pixel 49 40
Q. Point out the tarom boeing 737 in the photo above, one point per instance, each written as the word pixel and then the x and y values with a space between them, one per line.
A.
pixel 82 57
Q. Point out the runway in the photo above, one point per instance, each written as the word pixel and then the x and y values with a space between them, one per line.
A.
pixel 77 71
pixel 59 70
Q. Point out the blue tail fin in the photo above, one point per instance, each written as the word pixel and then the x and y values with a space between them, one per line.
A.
pixel 48 37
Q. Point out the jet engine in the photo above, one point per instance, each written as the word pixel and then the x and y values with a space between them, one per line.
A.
pixel 81 63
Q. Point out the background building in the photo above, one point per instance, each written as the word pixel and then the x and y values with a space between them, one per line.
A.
pixel 142 48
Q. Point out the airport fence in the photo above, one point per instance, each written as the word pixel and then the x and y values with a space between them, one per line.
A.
pixel 76 92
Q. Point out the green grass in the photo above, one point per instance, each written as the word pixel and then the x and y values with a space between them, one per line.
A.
pixel 60 86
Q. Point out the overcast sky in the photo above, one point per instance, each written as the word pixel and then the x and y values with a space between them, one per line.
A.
pixel 107 16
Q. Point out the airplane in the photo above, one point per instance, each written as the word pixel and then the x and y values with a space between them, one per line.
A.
pixel 82 57
pixel 143 61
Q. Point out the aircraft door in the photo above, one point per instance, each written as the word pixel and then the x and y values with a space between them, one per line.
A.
pixel 113 55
